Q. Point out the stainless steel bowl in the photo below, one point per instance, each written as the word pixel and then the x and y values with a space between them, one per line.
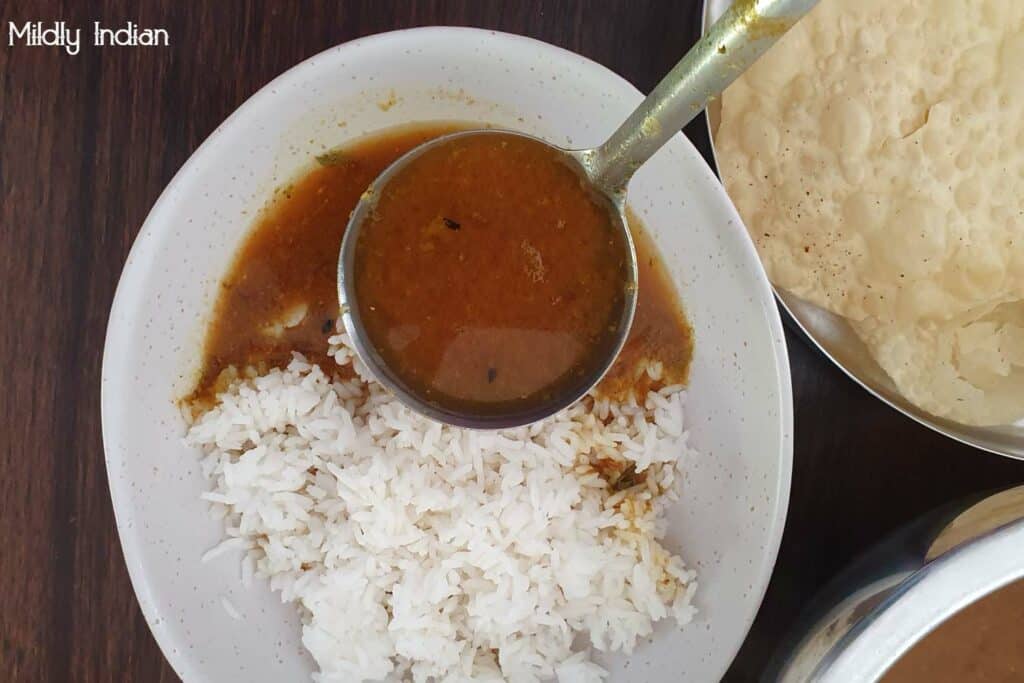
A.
pixel 837 340
pixel 887 601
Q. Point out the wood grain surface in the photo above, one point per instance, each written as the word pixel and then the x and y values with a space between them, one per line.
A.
pixel 87 144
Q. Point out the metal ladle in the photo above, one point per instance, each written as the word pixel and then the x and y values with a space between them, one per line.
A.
pixel 728 49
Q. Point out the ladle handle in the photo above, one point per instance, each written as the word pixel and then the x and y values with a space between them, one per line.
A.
pixel 730 47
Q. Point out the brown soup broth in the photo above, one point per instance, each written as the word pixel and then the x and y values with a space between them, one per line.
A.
pixel 287 266
pixel 488 276
pixel 982 643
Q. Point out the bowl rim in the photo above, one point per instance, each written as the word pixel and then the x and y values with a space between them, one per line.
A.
pixel 140 258
pixel 890 397
pixel 922 602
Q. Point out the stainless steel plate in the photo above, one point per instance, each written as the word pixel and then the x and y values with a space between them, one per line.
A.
pixel 834 337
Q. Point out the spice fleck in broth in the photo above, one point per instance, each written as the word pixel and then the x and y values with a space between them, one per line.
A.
pixel 280 294
pixel 489 278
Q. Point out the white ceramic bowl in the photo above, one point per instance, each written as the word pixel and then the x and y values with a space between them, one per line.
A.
pixel 740 413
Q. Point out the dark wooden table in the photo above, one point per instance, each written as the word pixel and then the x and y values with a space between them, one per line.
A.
pixel 87 144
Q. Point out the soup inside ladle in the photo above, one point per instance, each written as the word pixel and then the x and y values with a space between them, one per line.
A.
pixel 488 279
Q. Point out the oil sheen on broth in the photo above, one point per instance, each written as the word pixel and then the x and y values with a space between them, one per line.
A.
pixel 489 278
pixel 280 293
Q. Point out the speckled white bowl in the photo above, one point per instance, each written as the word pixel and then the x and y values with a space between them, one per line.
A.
pixel 731 518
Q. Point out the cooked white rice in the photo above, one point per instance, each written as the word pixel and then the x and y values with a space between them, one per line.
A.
pixel 418 551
